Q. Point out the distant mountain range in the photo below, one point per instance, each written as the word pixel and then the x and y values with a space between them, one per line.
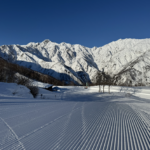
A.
pixel 130 58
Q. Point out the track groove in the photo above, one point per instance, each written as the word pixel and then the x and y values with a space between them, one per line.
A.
pixel 75 125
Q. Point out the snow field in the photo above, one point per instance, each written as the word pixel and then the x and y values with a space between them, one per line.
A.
pixel 80 119
pixel 142 92
pixel 8 90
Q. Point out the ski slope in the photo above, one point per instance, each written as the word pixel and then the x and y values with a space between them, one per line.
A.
pixel 78 119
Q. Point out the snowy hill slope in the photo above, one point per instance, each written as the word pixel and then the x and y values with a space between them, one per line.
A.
pixel 9 90
pixel 76 63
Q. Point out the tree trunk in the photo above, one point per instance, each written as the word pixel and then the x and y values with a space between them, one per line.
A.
pixel 99 88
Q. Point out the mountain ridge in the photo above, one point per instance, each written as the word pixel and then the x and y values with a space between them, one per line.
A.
pixel 79 64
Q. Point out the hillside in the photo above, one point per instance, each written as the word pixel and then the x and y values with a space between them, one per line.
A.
pixel 8 73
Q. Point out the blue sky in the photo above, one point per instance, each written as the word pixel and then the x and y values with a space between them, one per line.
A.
pixel 86 22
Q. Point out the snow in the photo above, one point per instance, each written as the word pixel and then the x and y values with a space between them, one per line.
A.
pixel 52 58
pixel 14 90
pixel 76 118
pixel 140 91
pixel 46 94
pixel 41 85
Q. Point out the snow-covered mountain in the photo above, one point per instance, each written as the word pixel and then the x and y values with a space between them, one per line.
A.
pixel 129 57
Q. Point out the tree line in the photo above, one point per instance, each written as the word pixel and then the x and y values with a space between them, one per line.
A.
pixel 8 70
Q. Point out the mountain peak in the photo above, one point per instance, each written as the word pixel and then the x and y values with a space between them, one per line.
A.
pixel 46 41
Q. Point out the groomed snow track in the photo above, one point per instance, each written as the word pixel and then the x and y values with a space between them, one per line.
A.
pixel 80 121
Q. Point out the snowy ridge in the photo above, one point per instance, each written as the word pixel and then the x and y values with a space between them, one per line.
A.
pixel 78 64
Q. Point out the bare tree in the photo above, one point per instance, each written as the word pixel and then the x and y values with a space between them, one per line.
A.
pixel 7 75
pixel 2 75
pixel 109 81
pixel 99 79
pixel 104 79
pixel 24 81
pixel 28 83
